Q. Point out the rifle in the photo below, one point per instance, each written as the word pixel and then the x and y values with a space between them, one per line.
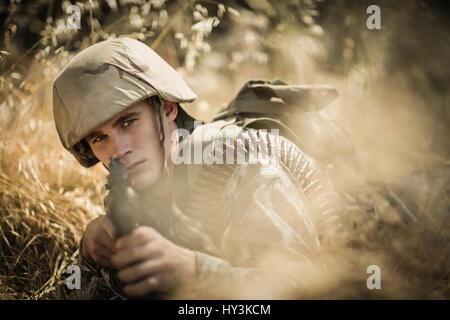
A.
pixel 122 203
pixel 124 209
pixel 126 212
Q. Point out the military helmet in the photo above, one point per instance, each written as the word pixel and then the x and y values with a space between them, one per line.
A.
pixel 105 79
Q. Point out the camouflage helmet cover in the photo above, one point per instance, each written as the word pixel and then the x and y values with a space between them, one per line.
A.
pixel 102 81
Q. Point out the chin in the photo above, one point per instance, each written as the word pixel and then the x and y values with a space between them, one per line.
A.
pixel 144 180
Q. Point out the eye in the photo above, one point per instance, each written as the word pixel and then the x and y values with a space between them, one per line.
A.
pixel 128 123
pixel 98 138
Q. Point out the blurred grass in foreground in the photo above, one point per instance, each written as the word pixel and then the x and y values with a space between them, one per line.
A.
pixel 391 104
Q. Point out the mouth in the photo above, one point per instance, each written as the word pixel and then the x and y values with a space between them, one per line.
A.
pixel 134 165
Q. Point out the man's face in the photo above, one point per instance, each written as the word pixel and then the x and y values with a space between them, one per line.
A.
pixel 133 135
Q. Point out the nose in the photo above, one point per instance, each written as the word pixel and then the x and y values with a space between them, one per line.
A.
pixel 121 147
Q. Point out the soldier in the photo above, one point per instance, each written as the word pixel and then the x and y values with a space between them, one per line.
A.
pixel 118 98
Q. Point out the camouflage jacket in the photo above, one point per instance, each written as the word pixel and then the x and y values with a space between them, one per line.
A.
pixel 253 211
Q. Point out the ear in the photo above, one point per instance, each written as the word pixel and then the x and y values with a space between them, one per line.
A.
pixel 170 110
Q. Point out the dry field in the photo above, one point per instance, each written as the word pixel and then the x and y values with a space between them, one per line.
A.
pixel 393 104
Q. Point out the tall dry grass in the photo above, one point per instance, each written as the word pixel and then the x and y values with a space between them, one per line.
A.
pixel 47 198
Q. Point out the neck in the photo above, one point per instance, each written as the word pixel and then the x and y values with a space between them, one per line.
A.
pixel 165 190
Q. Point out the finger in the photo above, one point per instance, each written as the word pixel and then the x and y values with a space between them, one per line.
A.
pixel 109 228
pixel 103 261
pixel 104 251
pixel 105 240
pixel 135 254
pixel 139 236
pixel 141 270
pixel 142 287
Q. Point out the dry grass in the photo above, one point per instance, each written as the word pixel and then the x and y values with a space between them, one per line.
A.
pixel 47 199
pixel 42 216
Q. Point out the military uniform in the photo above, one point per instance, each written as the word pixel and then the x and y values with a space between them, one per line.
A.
pixel 247 211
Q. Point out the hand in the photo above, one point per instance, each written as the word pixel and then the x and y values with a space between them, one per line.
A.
pixel 149 262
pixel 99 241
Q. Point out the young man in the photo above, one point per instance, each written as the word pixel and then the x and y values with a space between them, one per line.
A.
pixel 118 98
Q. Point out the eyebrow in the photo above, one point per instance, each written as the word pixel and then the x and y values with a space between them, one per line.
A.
pixel 116 123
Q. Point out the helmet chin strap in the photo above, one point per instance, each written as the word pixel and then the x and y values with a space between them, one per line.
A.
pixel 159 104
